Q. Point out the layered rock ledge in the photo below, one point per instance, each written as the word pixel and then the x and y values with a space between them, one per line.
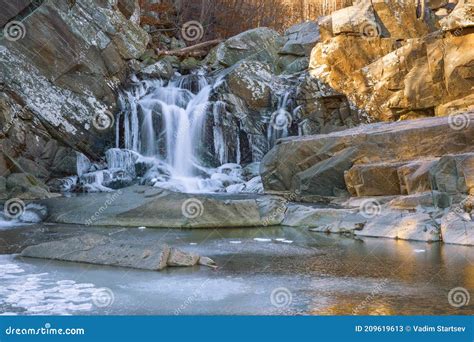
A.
pixel 408 180
pixel 374 160
pixel 151 207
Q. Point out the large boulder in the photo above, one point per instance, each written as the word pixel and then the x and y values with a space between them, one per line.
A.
pixel 64 68
pixel 355 19
pixel 326 220
pixel 402 19
pixel 26 186
pixel 251 81
pixel 260 44
pixel 323 110
pixel 403 226
pixel 333 61
pixel 379 179
pixel 300 39
pixel 461 18
pixel 315 165
pixel 454 174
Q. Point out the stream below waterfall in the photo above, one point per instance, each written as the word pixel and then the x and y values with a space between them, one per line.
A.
pixel 275 270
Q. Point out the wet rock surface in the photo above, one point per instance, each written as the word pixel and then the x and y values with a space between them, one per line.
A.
pixel 154 207
pixel 107 251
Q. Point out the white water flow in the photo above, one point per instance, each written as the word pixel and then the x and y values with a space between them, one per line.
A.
pixel 280 121
pixel 177 131
pixel 166 121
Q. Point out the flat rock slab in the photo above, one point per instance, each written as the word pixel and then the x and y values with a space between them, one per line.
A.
pixel 103 250
pixel 457 229
pixel 372 218
pixel 327 220
pixel 152 207
pixel 403 226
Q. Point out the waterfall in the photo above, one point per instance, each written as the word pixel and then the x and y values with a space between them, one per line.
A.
pixel 167 121
pixel 188 134
pixel 280 120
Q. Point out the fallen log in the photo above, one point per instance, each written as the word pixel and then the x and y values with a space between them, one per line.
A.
pixel 197 50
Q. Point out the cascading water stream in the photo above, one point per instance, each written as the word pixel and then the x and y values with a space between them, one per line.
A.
pixel 175 134
pixel 280 121
pixel 166 121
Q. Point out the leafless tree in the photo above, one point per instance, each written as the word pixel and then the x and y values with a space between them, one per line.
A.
pixel 224 18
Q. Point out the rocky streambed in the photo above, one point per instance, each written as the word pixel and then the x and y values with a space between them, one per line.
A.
pixel 250 156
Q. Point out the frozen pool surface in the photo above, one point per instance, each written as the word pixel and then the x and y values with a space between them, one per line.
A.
pixel 259 273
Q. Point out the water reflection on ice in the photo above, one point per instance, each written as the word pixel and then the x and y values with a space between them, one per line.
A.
pixel 38 294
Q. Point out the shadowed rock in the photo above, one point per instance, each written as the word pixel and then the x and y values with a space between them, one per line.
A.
pixel 153 207
pixel 104 250
pixel 316 165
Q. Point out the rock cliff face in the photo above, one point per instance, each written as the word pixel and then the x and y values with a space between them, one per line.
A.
pixel 61 63
pixel 410 179
pixel 396 63
pixel 393 62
